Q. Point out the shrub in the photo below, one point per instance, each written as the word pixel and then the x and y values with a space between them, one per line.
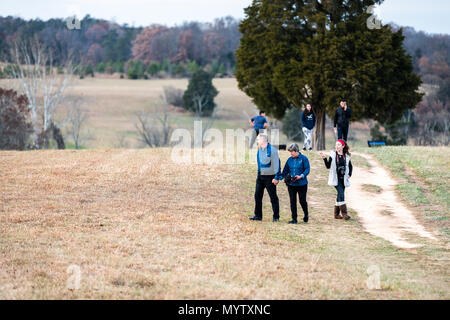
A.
pixel 173 96
pixel 15 127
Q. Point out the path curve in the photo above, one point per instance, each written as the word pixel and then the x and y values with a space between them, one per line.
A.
pixel 382 214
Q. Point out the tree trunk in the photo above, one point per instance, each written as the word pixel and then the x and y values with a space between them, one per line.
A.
pixel 57 136
pixel 319 134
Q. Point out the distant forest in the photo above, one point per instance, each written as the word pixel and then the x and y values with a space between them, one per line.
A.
pixel 104 46
pixel 160 51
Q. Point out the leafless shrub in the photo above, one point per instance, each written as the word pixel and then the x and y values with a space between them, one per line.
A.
pixel 77 118
pixel 155 128
pixel 173 96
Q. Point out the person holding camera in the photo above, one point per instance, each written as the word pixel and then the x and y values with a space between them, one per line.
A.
pixel 308 123
pixel 269 175
pixel 341 169
pixel 342 120
pixel 294 173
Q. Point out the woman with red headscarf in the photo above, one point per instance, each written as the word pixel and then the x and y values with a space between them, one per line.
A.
pixel 340 172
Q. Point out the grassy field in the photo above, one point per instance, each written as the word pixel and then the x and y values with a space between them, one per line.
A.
pixel 111 105
pixel 140 226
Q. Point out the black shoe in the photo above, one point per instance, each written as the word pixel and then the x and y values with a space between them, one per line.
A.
pixel 305 219
pixel 304 148
pixel 310 149
pixel 275 220
pixel 255 218
pixel 293 222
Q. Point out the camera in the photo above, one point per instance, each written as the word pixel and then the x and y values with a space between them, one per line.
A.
pixel 289 179
pixel 341 170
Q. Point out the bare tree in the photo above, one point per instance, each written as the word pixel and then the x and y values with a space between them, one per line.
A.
pixel 121 140
pixel 200 102
pixel 155 128
pixel 44 88
pixel 77 118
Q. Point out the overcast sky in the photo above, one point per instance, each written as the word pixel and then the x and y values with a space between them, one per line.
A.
pixel 431 16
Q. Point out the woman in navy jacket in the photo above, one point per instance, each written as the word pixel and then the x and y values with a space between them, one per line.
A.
pixel 295 172
pixel 308 123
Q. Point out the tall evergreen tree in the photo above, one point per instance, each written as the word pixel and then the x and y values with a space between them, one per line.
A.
pixel 294 52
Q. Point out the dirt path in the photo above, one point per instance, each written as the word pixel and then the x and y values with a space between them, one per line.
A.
pixel 381 212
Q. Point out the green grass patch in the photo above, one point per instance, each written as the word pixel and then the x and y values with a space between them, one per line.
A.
pixel 372 188
pixel 412 193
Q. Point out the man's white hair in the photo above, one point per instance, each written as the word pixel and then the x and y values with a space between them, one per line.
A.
pixel 264 136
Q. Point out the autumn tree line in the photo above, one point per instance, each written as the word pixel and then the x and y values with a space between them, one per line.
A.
pixel 135 52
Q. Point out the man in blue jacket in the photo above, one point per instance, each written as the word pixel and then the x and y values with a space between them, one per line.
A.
pixel 295 172
pixel 269 174
pixel 259 123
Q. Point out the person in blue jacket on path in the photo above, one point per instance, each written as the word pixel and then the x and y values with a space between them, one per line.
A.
pixel 294 173
pixel 308 122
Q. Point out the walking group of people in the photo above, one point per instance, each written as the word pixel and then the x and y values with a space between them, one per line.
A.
pixel 297 167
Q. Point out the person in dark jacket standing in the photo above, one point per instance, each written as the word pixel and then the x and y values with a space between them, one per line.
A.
pixel 269 175
pixel 342 120
pixel 295 172
pixel 308 122
pixel 340 172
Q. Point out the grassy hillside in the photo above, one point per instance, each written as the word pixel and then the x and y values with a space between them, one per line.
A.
pixel 140 226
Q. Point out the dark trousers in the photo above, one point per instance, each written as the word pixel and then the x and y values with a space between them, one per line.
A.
pixel 265 182
pixel 254 136
pixel 340 188
pixel 301 191
pixel 342 132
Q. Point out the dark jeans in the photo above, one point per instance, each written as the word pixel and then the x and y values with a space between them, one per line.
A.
pixel 265 182
pixel 342 132
pixel 340 188
pixel 301 191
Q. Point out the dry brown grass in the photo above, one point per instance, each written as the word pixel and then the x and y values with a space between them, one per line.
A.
pixel 140 226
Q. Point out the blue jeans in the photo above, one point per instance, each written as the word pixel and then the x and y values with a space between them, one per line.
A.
pixel 340 188
pixel 307 133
